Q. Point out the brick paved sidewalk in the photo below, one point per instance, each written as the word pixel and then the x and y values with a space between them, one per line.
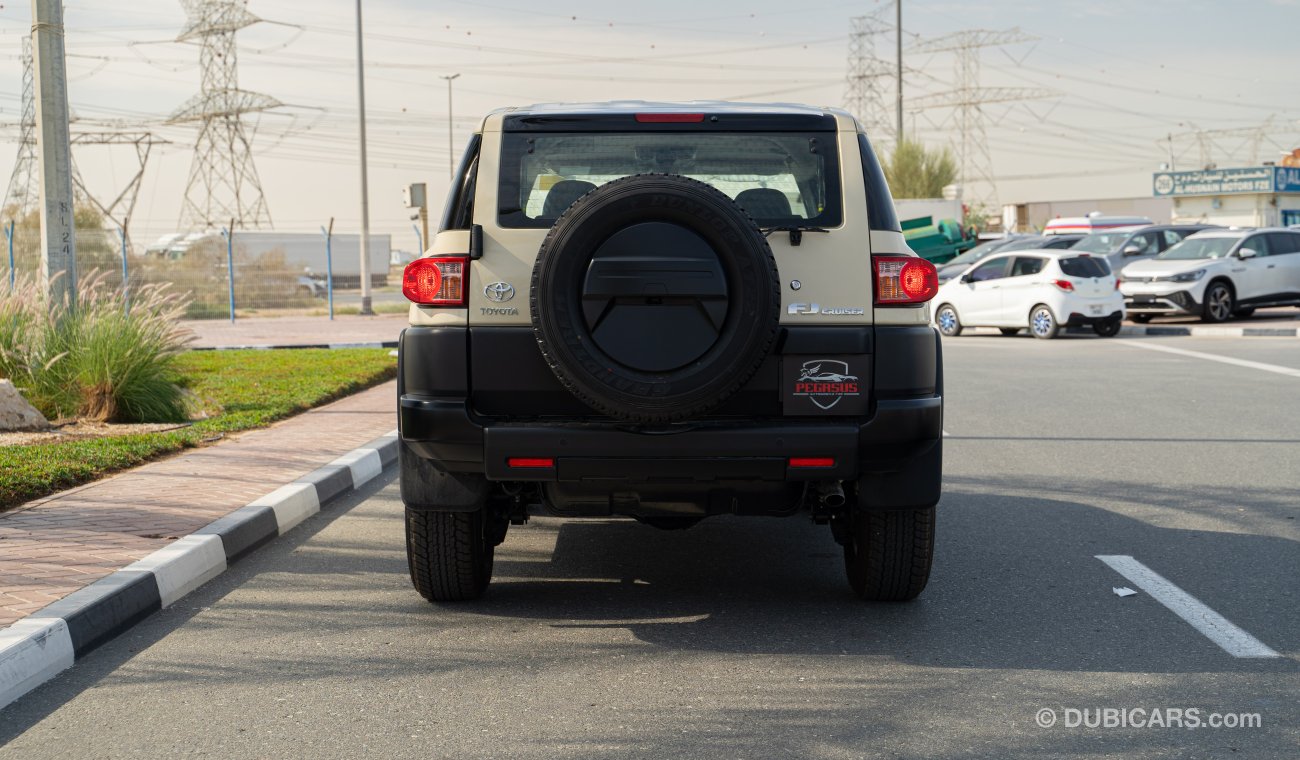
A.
pixel 54 546
pixel 291 331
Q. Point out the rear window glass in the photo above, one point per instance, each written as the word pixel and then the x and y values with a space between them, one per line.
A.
pixel 780 178
pixel 1085 266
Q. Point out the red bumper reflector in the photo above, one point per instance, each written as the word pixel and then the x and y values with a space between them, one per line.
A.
pixel 811 462
pixel 531 463
pixel 670 118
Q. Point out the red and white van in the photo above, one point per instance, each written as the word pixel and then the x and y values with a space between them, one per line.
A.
pixel 1092 223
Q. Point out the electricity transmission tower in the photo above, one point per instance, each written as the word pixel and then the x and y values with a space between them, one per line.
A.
pixel 223 184
pixel 867 76
pixel 1241 146
pixel 24 193
pixel 117 212
pixel 23 196
pixel 969 100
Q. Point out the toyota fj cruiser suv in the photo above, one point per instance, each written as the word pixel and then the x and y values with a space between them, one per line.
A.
pixel 669 312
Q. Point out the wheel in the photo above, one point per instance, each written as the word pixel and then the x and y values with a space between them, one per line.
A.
pixel 1108 328
pixel 1243 313
pixel 949 324
pixel 450 553
pixel 1218 303
pixel 1141 319
pixel 887 554
pixel 642 258
pixel 1042 323
pixel 1009 331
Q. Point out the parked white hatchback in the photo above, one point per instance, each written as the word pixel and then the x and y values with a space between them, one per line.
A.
pixel 1216 275
pixel 1040 290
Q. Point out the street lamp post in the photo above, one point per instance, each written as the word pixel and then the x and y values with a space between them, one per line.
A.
pixel 451 145
pixel 365 174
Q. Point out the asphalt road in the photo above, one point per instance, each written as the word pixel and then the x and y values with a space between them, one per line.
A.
pixel 739 639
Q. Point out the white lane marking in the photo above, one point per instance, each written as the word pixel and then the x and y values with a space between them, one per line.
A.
pixel 945 434
pixel 1211 624
pixel 1212 357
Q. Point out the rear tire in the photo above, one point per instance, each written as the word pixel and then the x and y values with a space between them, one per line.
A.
pixel 1009 331
pixel 948 322
pixel 888 554
pixel 449 554
pixel 1042 323
pixel 1140 319
pixel 1107 329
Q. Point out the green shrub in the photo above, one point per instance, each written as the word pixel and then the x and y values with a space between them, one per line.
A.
pixel 98 360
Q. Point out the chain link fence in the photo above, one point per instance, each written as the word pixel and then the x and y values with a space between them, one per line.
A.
pixel 273 273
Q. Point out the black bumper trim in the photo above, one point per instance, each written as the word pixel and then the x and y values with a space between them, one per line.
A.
pixel 445 431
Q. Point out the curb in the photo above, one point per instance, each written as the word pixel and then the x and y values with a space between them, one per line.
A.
pixel 385 344
pixel 1213 332
pixel 42 645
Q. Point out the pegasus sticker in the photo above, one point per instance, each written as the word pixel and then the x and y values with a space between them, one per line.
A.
pixel 826 382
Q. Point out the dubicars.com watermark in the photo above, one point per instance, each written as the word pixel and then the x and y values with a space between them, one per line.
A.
pixel 1144 717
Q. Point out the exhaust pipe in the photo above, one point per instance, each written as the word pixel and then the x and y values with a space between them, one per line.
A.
pixel 831 493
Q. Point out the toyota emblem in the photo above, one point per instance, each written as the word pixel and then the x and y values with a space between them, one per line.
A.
pixel 499 292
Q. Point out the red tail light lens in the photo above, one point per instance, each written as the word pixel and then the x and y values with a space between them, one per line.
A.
pixel 439 281
pixel 812 462
pixel 1118 282
pixel 1064 285
pixel 532 463
pixel 670 118
pixel 904 280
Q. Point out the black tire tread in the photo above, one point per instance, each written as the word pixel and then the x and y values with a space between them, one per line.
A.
pixel 898 551
pixel 448 556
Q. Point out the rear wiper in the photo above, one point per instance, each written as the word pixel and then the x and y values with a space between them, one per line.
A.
pixel 796 232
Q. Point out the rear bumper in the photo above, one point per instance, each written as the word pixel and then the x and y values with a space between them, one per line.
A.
pixel 1081 320
pixel 446 432
pixel 466 413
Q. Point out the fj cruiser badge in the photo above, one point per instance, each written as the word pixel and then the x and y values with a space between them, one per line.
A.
pixel 833 311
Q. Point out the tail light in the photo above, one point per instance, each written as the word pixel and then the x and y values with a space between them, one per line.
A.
pixel 1065 285
pixel 904 280
pixel 811 463
pixel 670 118
pixel 1118 282
pixel 438 281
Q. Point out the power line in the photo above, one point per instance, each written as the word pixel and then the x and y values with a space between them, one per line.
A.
pixel 969 101
pixel 867 76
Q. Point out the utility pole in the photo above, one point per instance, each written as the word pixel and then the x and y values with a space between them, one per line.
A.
pixel 366 310
pixel 451 145
pixel 898 35
pixel 54 146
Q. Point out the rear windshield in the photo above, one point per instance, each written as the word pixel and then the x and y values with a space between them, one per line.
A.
pixel 780 178
pixel 1085 266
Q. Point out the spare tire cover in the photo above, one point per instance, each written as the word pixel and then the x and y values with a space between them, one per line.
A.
pixel 654 298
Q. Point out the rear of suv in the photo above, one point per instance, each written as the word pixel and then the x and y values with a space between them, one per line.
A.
pixel 669 312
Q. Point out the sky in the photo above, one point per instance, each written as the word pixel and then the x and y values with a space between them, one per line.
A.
pixel 1122 87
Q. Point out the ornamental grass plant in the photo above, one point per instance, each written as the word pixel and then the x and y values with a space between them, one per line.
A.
pixel 100 360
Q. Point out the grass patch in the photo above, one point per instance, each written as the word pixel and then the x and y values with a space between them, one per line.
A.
pixel 238 390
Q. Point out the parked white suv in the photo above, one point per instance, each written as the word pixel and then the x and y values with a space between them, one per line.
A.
pixel 1043 290
pixel 1216 274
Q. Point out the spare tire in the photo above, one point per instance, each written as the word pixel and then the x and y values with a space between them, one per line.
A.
pixel 654 298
